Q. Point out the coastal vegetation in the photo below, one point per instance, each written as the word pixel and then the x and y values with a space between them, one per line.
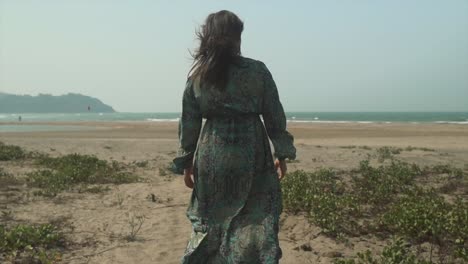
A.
pixel 11 152
pixel 31 243
pixel 397 201
pixel 24 242
pixel 418 212
pixel 64 173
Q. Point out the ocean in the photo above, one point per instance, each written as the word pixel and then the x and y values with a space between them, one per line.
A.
pixel 309 117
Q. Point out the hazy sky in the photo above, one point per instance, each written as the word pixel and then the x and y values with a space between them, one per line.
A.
pixel 347 55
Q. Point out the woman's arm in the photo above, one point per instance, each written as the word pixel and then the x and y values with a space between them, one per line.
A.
pixel 275 122
pixel 189 130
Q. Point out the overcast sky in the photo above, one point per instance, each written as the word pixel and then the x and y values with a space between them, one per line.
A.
pixel 347 55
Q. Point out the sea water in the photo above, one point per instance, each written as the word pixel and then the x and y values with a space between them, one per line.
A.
pixel 38 128
pixel 313 117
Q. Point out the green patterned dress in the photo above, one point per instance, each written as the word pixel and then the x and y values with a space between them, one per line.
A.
pixel 236 200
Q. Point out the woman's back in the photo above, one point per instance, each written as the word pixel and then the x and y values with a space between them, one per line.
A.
pixel 243 93
pixel 236 200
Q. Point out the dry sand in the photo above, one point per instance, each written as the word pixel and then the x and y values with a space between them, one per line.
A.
pixel 96 224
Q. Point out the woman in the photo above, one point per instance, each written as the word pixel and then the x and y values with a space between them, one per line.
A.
pixel 236 198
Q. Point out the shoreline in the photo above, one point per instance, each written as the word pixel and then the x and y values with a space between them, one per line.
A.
pixel 463 123
pixel 289 122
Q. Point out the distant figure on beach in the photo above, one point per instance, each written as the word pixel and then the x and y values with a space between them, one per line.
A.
pixel 19 118
pixel 236 200
pixel 89 108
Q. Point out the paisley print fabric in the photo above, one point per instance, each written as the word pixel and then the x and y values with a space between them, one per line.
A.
pixel 236 201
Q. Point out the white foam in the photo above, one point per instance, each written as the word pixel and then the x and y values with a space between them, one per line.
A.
pixel 315 121
pixel 452 122
pixel 163 120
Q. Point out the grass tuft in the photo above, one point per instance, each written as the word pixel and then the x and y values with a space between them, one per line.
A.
pixel 11 152
pixel 33 240
pixel 411 148
pixel 451 171
pixel 384 153
pixel 378 186
pixel 321 195
pixel 396 252
pixel 65 172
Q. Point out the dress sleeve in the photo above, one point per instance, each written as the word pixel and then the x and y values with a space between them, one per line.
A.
pixel 189 129
pixel 275 119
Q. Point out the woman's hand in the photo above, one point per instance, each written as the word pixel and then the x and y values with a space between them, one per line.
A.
pixel 281 168
pixel 188 177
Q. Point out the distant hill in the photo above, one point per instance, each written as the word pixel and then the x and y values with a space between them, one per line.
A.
pixel 46 103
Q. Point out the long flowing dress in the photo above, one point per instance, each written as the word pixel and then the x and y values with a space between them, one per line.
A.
pixel 236 200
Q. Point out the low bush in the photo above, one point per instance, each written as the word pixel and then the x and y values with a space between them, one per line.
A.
pixel 384 153
pixel 419 216
pixel 411 148
pixel 378 186
pixel 322 196
pixel 384 201
pixel 34 240
pixel 451 171
pixel 64 172
pixel 11 152
pixel 397 252
pixel 424 216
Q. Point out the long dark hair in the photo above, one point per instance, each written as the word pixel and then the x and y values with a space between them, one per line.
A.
pixel 219 38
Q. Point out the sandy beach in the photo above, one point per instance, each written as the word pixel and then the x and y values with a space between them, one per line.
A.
pixel 95 223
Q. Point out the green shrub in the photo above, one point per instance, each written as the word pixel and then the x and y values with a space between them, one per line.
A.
pixel 397 252
pixel 322 196
pixel 451 171
pixel 384 200
pixel 457 228
pixel 11 152
pixel 384 153
pixel 299 188
pixel 29 236
pixel 365 147
pixel 424 216
pixel 65 172
pixel 419 216
pixel 378 186
pixel 411 148
pixel 348 147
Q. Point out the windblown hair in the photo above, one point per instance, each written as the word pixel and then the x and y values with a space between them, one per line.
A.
pixel 219 38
